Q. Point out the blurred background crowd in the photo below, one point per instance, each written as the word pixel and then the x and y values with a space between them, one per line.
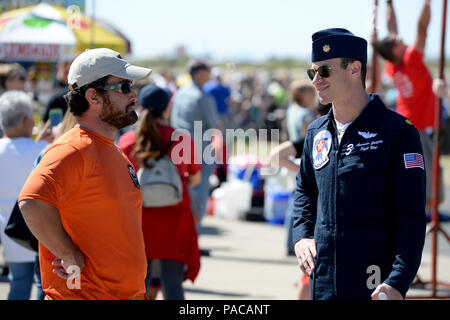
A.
pixel 271 94
pixel 260 99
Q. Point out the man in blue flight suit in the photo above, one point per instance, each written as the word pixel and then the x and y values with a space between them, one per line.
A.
pixel 359 216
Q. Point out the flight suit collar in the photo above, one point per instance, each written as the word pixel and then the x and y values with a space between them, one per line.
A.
pixel 369 118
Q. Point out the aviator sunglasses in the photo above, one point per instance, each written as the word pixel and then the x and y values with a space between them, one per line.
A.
pixel 324 72
pixel 122 87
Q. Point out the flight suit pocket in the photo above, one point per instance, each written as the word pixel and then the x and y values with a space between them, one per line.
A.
pixel 322 280
pixel 369 161
pixel 364 189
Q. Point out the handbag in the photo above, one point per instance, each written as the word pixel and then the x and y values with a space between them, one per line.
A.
pixel 17 230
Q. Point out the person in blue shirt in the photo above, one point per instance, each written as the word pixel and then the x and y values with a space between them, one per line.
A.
pixel 359 206
pixel 195 110
pixel 221 95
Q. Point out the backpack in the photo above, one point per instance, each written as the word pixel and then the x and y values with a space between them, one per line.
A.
pixel 161 184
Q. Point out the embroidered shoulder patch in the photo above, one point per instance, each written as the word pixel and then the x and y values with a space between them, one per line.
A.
pixel 321 148
pixel 413 160
pixel 133 176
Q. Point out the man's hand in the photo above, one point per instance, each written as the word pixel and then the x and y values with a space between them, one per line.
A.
pixel 422 26
pixel 391 19
pixel 440 88
pixel 305 250
pixel 45 223
pixel 391 293
pixel 76 259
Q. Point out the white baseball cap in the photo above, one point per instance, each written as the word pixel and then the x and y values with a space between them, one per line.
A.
pixel 94 64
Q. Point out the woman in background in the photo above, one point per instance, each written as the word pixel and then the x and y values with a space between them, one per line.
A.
pixel 169 232
pixel 301 112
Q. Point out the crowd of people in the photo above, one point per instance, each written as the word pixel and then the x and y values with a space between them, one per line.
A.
pixel 81 183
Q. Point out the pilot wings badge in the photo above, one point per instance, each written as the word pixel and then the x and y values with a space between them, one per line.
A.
pixel 367 135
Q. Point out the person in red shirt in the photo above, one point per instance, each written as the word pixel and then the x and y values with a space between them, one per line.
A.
pixel 405 65
pixel 169 232
pixel 83 200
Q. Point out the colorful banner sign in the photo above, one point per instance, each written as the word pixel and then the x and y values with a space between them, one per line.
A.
pixel 35 52
pixel 6 5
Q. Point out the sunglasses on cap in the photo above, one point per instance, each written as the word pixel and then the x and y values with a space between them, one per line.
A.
pixel 122 87
pixel 324 72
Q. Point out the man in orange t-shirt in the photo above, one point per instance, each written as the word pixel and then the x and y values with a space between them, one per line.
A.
pixel 83 201
pixel 415 100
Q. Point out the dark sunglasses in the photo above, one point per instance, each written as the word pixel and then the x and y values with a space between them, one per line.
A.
pixel 122 87
pixel 324 72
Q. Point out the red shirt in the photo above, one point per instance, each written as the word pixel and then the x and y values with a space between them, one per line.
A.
pixel 169 232
pixel 415 99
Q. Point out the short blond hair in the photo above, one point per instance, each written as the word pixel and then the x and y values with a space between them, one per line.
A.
pixel 298 88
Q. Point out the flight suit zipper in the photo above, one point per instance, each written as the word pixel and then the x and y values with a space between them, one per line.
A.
pixel 336 190
pixel 336 197
pixel 335 218
pixel 338 158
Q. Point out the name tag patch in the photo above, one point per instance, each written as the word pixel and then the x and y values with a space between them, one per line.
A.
pixel 371 145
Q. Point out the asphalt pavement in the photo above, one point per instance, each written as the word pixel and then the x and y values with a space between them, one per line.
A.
pixel 248 261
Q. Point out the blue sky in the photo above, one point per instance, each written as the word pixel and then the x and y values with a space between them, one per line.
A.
pixel 255 29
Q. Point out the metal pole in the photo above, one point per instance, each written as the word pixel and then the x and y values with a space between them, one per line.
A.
pixel 436 148
pixel 434 225
pixel 374 52
pixel 444 28
pixel 92 45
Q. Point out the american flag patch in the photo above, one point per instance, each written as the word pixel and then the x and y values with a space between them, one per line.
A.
pixel 413 160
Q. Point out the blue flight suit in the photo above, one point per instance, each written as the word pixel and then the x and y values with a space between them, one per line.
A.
pixel 362 205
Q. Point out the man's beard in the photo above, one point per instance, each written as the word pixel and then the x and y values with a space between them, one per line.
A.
pixel 117 119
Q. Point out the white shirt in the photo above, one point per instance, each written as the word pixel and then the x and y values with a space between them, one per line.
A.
pixel 341 127
pixel 17 156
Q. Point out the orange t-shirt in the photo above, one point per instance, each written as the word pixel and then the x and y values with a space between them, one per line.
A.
pixel 94 187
